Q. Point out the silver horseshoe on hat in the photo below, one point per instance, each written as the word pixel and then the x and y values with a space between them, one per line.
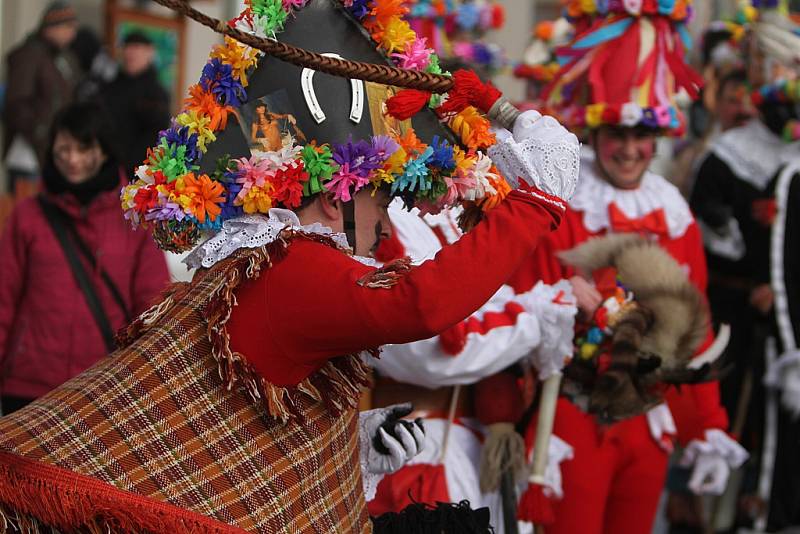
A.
pixel 356 102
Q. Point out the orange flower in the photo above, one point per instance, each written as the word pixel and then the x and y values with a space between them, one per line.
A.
pixel 205 195
pixel 382 14
pixel 241 58
pixel 205 103
pixel 411 143
pixel 500 185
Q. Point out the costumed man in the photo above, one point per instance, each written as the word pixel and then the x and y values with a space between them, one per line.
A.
pixel 748 169
pixel 623 69
pixel 539 66
pixel 439 374
pixel 231 404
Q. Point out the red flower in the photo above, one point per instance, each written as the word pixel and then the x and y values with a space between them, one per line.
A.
pixel 146 198
pixel 611 114
pixel 289 184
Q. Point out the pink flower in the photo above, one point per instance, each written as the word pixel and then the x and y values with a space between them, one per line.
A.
pixel 415 55
pixel 342 182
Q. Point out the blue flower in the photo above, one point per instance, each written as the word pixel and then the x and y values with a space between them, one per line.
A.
pixel 218 78
pixel 468 16
pixel 442 156
pixel 179 136
pixel 416 175
pixel 359 9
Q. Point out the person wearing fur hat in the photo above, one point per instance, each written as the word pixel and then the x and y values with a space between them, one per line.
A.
pixel 619 78
pixel 743 197
pixel 231 404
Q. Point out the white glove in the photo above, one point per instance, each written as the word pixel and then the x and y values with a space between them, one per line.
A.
pixel 713 459
pixel 710 474
pixel 541 152
pixel 387 441
pixel 555 307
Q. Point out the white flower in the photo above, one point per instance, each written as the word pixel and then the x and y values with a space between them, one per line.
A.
pixel 634 7
pixel 630 114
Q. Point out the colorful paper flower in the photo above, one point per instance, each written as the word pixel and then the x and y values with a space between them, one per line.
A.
pixel 204 102
pixel 345 183
pixel 415 177
pixel 318 163
pixel 396 34
pixel 241 58
pixel 200 125
pixel 205 196
pixel 415 55
pixel 289 183
pixel 269 15
pixel 359 156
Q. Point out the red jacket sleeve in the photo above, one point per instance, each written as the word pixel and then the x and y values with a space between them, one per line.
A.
pixel 317 310
pixel 13 259
pixel 697 407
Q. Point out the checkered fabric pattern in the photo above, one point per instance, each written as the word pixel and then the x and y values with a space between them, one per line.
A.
pixel 156 419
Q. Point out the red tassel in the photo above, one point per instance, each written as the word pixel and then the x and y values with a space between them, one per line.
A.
pixel 407 103
pixel 469 90
pixel 535 507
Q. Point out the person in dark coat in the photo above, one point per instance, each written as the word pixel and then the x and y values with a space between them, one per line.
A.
pixel 136 101
pixel 41 76
pixel 48 333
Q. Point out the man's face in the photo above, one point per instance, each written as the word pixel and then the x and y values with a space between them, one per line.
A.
pixel 623 154
pixel 137 58
pixel 61 35
pixel 372 220
pixel 734 107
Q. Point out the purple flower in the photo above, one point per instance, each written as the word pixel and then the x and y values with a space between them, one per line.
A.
pixel 360 157
pixel 649 118
pixel 384 146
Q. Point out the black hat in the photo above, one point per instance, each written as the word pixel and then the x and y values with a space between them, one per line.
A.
pixel 136 37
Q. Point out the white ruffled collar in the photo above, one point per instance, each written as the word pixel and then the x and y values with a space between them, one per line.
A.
pixel 251 231
pixel 594 195
pixel 753 153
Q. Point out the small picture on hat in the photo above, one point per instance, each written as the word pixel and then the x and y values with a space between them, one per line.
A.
pixel 382 123
pixel 269 123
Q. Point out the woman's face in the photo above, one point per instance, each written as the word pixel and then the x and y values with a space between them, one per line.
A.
pixel 76 161
pixel 623 154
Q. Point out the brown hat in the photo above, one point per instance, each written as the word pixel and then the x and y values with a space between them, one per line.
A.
pixel 58 12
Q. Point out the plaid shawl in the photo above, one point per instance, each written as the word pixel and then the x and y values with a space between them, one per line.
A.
pixel 165 436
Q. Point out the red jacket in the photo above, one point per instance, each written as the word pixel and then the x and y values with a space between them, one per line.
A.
pixel 47 333
pixel 309 307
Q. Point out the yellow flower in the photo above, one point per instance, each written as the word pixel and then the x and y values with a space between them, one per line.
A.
pixel 396 34
pixel 258 199
pixel 594 114
pixel 240 57
pixel 396 162
pixel 463 161
pixel 199 124
pixel 587 6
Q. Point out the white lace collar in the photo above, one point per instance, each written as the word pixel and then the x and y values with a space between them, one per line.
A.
pixel 251 231
pixel 753 153
pixel 593 196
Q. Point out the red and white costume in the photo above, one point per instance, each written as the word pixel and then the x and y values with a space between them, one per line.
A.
pixel 506 329
pixel 617 474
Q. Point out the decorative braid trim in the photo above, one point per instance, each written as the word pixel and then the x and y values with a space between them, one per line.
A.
pixel 338 383
pixel 387 276
pixel 544 197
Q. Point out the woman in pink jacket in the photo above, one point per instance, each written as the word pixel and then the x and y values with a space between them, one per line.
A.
pixel 71 270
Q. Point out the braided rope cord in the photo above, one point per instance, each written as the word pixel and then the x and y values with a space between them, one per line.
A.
pixel 371 72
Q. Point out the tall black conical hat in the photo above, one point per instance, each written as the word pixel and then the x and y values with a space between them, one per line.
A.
pixel 325 27
pixel 262 133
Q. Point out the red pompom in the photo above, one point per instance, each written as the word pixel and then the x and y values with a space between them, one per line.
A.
pixel 407 103
pixel 469 90
pixel 536 507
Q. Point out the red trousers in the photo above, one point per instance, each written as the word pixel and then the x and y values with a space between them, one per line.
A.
pixel 613 484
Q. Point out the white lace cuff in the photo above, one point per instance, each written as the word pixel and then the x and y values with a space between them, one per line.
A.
pixel 555 308
pixel 541 152
pixel 717 443
pixel 369 479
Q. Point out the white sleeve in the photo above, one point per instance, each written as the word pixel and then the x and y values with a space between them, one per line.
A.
pixel 543 330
